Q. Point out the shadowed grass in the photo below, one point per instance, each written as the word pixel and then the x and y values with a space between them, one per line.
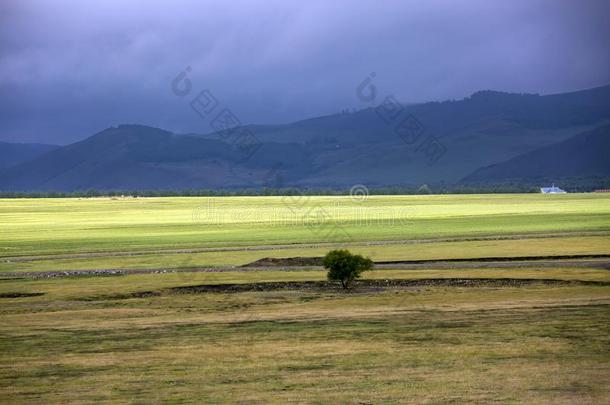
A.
pixel 529 344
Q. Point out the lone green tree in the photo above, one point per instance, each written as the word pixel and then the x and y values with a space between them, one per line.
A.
pixel 345 267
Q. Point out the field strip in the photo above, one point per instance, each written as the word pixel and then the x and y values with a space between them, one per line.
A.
pixel 42 319
pixel 20 259
pixel 602 261
pixel 366 284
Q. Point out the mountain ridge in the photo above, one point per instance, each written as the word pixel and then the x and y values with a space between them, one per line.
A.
pixel 584 155
pixel 337 150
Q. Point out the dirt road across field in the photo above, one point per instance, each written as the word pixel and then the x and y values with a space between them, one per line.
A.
pixel 595 261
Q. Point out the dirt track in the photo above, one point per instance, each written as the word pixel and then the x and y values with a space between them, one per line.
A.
pixel 368 284
pixel 317 261
pixel 573 261
pixel 359 286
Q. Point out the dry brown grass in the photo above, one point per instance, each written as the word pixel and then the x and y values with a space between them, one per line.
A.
pixel 537 343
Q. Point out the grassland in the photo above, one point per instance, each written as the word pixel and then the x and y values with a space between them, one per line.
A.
pixel 137 338
pixel 56 226
pixel 85 341
pixel 583 245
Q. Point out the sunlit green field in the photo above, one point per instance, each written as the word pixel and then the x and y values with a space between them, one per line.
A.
pixel 53 226
pixel 555 246
pixel 533 334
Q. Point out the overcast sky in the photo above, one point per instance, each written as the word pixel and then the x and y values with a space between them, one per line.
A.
pixel 71 68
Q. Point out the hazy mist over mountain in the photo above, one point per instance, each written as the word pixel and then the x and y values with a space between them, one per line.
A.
pixel 304 94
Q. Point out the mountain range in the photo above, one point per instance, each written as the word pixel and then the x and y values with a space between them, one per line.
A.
pixel 489 137
pixel 583 155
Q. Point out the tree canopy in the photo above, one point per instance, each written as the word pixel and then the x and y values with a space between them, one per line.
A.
pixel 345 267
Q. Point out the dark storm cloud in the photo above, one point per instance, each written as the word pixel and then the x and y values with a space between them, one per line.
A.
pixel 70 68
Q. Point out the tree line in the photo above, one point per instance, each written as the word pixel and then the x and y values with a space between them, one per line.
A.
pixel 91 193
pixel 570 185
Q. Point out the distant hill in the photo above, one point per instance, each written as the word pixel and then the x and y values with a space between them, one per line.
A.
pixel 12 154
pixel 136 156
pixel 441 142
pixel 583 155
pixel 485 128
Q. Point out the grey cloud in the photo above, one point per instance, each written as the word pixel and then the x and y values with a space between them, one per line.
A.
pixel 71 68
